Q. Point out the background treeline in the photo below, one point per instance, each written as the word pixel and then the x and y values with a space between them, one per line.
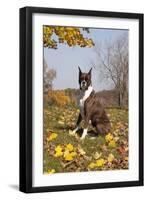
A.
pixel 108 98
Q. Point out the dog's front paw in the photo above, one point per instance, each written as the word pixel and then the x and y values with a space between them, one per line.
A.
pixel 84 134
pixel 82 137
pixel 73 132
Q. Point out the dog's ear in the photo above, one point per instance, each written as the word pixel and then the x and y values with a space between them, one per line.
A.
pixel 90 71
pixel 80 72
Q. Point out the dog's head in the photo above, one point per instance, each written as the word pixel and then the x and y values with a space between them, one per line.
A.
pixel 84 79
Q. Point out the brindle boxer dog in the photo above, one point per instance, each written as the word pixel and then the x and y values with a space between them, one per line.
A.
pixel 91 111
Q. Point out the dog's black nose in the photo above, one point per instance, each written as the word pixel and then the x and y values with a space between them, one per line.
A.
pixel 83 82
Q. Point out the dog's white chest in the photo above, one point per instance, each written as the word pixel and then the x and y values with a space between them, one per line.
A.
pixel 82 107
pixel 83 98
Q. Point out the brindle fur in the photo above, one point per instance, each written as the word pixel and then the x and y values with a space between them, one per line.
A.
pixel 94 112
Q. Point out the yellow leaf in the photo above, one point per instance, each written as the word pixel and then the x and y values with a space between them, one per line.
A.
pixel 51 171
pixel 52 137
pixel 69 155
pixel 81 151
pixel 73 153
pixel 58 151
pixel 110 158
pixel 92 165
pixel 66 152
pixel 109 137
pixel 100 162
pixel 69 147
pixel 97 155
pixel 112 144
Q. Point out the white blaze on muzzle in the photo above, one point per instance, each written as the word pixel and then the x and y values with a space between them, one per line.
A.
pixel 83 83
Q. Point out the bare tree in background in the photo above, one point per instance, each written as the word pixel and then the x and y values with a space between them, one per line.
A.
pixel 112 61
pixel 49 76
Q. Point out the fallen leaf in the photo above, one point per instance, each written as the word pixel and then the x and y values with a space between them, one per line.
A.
pixel 71 132
pixel 109 137
pixel 126 158
pixel 112 144
pixel 61 122
pixel 100 162
pixel 58 151
pixel 69 155
pixel 51 171
pixel 81 151
pixel 52 136
pixel 97 155
pixel 92 165
pixel 110 158
pixel 69 147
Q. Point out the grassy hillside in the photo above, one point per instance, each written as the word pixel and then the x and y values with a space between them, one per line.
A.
pixel 65 152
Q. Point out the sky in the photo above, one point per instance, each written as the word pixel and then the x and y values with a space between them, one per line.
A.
pixel 65 60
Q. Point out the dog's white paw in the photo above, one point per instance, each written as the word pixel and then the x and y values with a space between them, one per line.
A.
pixel 75 130
pixel 82 138
pixel 84 134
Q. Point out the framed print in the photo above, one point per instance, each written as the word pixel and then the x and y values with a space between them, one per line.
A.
pixel 81 99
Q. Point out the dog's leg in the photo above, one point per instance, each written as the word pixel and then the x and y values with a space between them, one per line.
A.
pixel 78 122
pixel 87 122
pixel 84 133
pixel 103 128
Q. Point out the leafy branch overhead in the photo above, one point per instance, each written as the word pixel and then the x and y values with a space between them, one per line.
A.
pixel 53 35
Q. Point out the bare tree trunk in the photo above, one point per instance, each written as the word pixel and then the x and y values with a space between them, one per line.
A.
pixel 119 99
pixel 112 60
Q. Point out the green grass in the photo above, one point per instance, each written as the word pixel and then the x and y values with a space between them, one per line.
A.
pixel 61 120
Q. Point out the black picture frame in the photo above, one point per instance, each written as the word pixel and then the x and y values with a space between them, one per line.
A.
pixel 26 91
